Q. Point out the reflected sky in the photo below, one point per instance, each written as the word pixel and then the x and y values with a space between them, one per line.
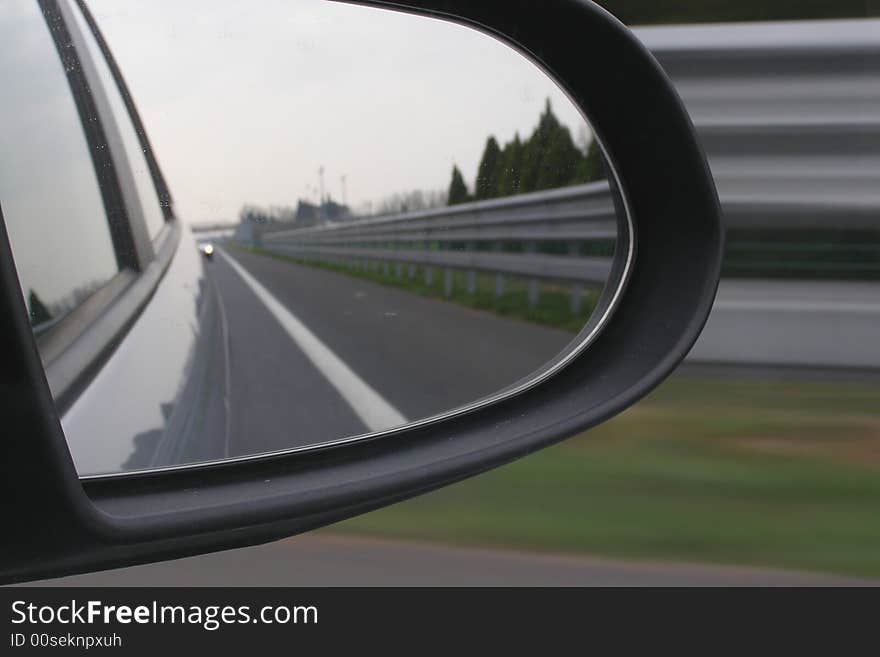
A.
pixel 245 101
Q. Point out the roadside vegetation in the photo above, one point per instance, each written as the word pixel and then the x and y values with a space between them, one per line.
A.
pixel 552 309
pixel 547 159
pixel 726 471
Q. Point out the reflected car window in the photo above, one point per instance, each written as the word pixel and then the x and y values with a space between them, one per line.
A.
pixel 134 153
pixel 49 192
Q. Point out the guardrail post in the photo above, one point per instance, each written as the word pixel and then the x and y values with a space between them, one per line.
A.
pixel 577 297
pixel 398 270
pixel 471 276
pixel 447 282
pixel 533 282
pixel 499 278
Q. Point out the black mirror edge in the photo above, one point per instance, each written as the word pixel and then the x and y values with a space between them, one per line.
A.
pixel 57 525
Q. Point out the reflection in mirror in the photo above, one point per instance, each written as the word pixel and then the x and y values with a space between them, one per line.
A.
pixel 48 186
pixel 389 217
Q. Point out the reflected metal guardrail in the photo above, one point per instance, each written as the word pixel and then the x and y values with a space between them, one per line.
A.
pixel 479 232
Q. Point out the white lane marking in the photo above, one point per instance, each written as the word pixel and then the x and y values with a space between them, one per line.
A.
pixel 373 410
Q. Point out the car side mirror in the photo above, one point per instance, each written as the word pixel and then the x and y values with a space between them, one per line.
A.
pixel 659 286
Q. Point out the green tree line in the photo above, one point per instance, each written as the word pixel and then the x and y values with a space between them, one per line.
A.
pixel 547 159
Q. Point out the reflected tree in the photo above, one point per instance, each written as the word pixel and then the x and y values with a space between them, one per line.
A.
pixel 489 171
pixel 458 192
pixel 38 311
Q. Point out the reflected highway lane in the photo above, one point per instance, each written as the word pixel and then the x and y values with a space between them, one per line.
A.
pixel 317 355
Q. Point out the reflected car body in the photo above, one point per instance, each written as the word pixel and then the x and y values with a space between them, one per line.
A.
pixel 140 341
pixel 162 375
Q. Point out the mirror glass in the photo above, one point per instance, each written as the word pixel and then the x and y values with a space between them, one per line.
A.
pixel 385 218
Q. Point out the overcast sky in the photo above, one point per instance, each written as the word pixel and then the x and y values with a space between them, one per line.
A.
pixel 244 101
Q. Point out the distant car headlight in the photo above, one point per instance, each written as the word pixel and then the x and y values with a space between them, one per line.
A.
pixel 208 250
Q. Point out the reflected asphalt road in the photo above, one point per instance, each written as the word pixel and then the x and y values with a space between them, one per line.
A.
pixel 422 356
pixel 332 560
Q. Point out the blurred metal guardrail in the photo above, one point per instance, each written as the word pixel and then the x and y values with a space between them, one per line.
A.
pixel 789 115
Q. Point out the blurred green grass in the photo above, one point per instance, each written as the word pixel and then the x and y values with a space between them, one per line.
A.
pixel 726 471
